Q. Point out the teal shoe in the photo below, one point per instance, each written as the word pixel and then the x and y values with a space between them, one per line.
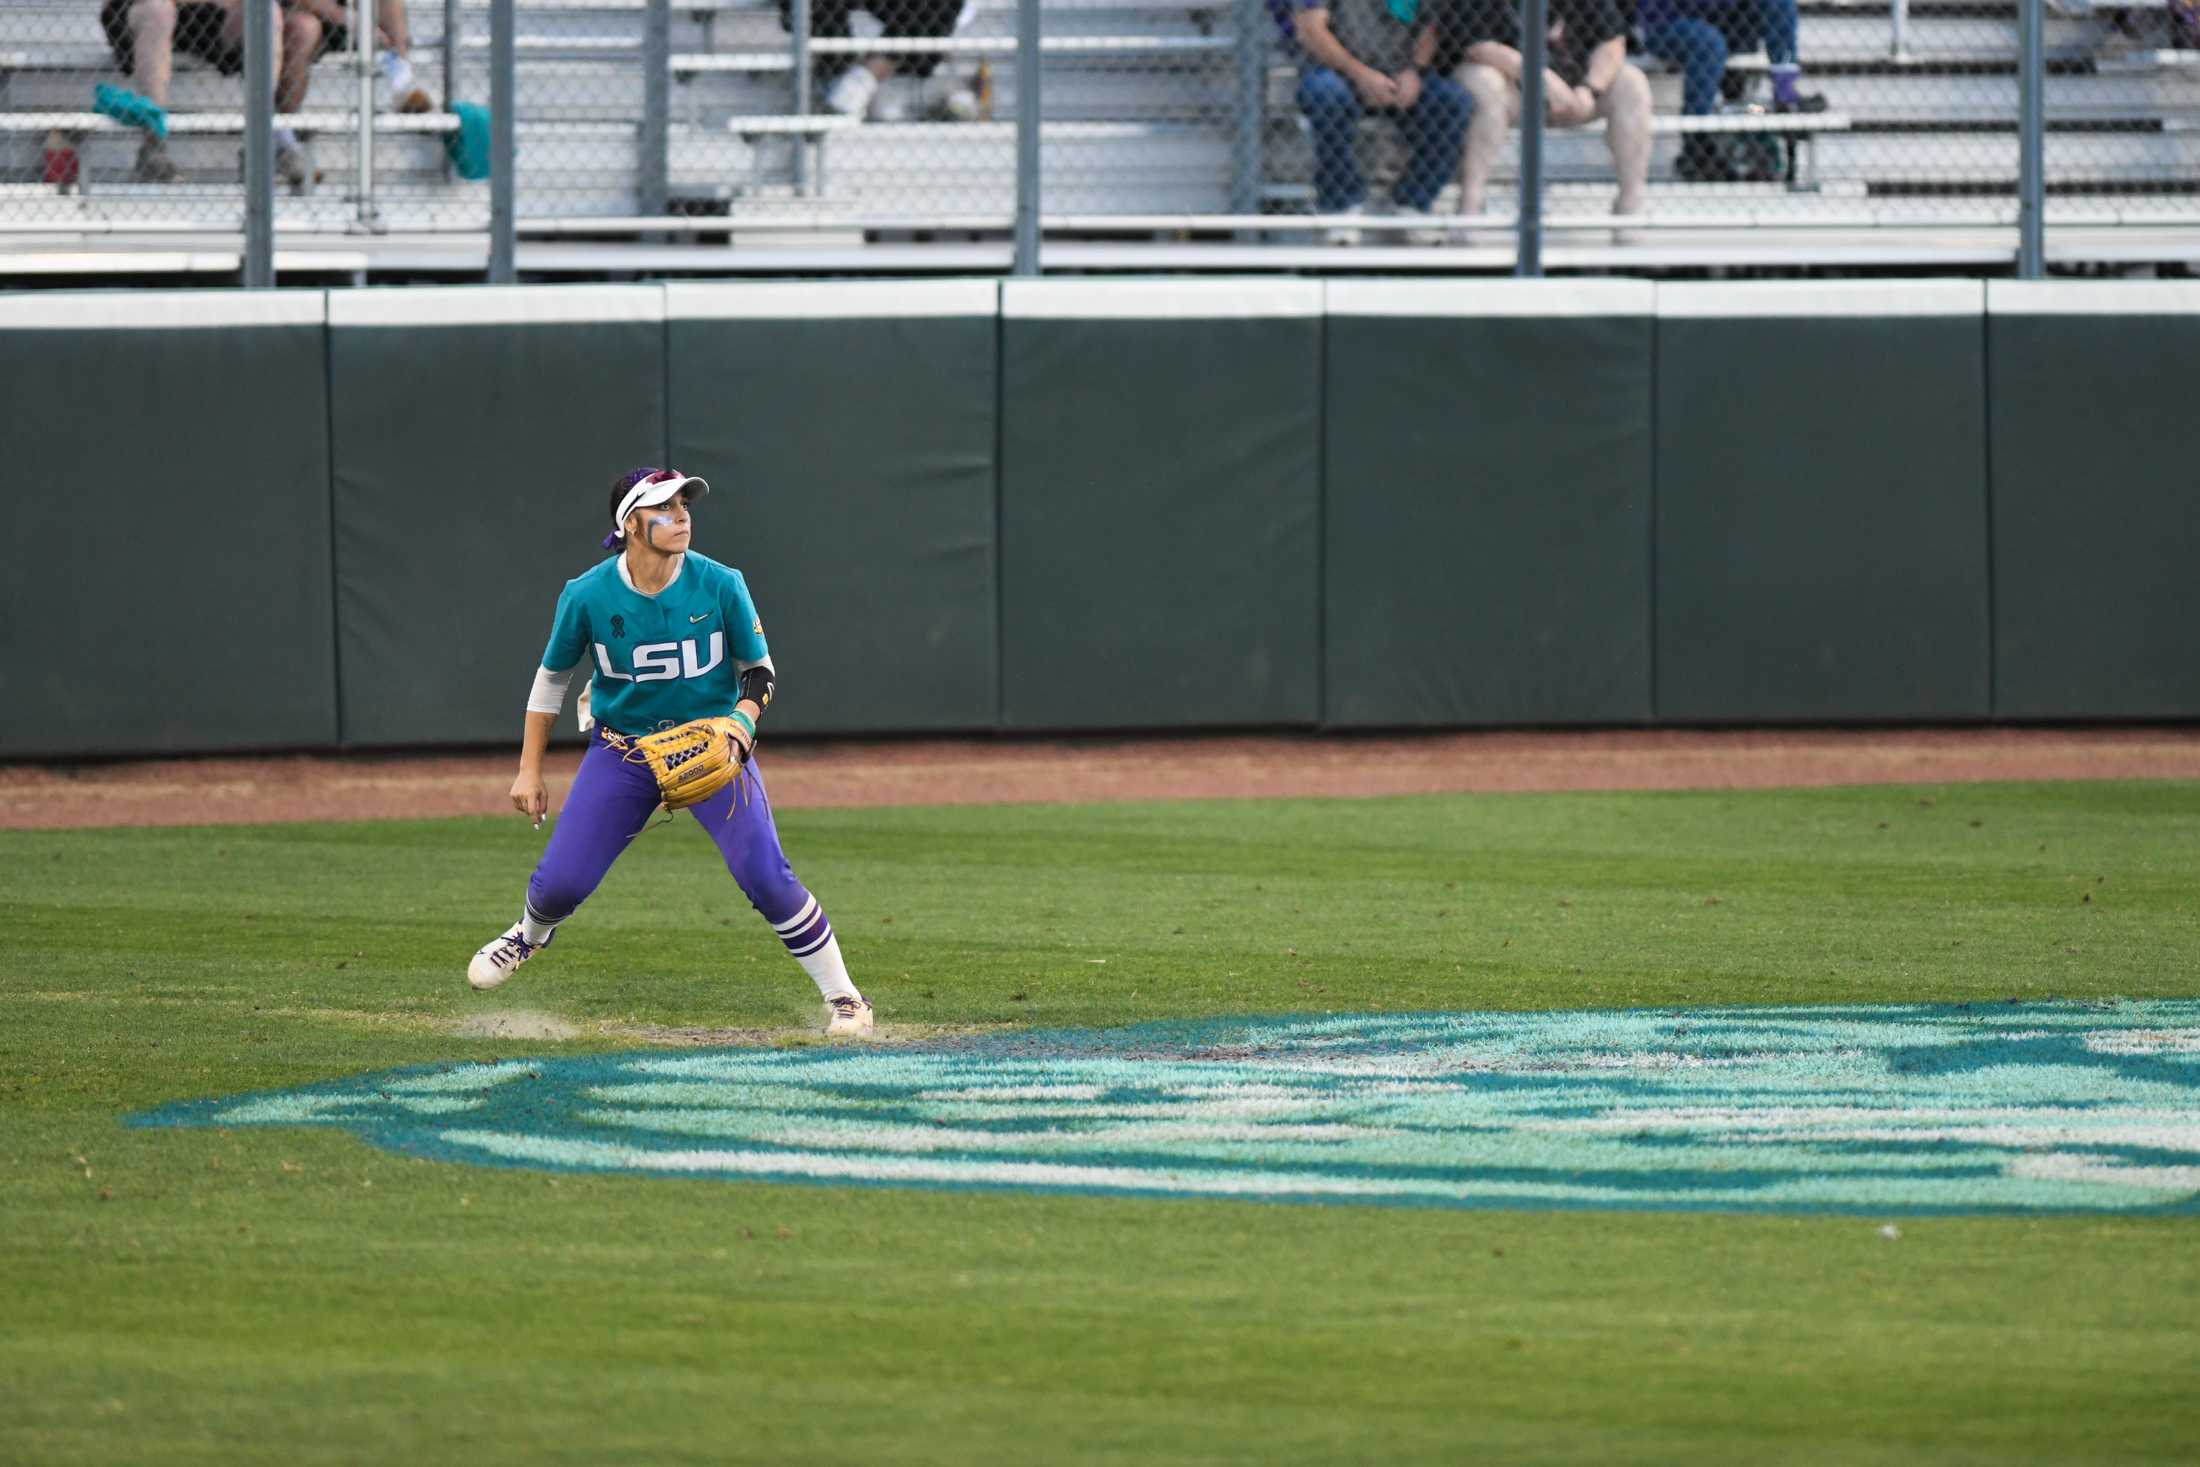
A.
pixel 468 145
pixel 129 109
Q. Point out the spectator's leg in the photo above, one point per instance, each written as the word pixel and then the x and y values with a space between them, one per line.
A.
pixel 1496 107
pixel 1775 23
pixel 1698 48
pixel 153 48
pixel 1435 127
pixel 1332 110
pixel 389 19
pixel 151 44
pixel 297 42
pixel 406 93
pixel 1626 114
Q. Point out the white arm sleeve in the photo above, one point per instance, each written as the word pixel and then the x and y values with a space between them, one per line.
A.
pixel 548 693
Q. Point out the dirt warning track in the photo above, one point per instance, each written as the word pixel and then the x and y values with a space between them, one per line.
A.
pixel 1002 771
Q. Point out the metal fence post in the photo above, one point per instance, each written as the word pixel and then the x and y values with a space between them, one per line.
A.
pixel 503 153
pixel 454 27
pixel 364 45
pixel 259 148
pixel 453 35
pixel 2031 142
pixel 1027 137
pixel 798 57
pixel 656 77
pixel 1252 103
pixel 1535 24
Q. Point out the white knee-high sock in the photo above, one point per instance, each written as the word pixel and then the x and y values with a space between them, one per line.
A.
pixel 828 972
pixel 809 937
pixel 532 929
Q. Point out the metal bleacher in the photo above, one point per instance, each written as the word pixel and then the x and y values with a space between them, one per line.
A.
pixel 1147 146
pixel 1925 152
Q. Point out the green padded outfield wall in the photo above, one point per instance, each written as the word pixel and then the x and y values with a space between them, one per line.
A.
pixel 344 518
pixel 477 433
pixel 1160 503
pixel 847 430
pixel 167 460
pixel 1487 502
pixel 2095 389
pixel 1821 523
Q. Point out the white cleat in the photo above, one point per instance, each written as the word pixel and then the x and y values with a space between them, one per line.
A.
pixel 501 956
pixel 850 1017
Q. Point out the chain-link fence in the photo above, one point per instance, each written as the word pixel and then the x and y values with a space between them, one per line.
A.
pixel 867 122
pixel 109 110
pixel 1661 133
pixel 1831 121
pixel 1676 132
pixel 129 116
pixel 2122 93
pixel 1714 129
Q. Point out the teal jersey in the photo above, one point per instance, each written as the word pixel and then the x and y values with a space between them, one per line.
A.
pixel 663 659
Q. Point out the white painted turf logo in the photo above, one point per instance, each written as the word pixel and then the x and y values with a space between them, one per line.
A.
pixel 1989 1108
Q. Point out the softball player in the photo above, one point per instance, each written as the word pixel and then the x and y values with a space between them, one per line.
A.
pixel 669 636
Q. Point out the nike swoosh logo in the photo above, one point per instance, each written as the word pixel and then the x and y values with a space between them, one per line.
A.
pixel 694 619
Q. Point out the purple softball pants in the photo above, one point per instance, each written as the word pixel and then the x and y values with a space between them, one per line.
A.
pixel 612 799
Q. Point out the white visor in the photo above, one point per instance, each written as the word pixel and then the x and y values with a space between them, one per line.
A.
pixel 654 490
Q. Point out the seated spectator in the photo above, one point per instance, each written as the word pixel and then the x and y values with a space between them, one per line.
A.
pixel 1697 36
pixel 1588 77
pixel 854 91
pixel 1365 56
pixel 144 35
pixel 394 54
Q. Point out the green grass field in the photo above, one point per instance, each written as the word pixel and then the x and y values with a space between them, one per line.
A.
pixel 186 1296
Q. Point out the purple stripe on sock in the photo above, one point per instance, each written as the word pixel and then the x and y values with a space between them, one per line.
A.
pixel 822 938
pixel 806 933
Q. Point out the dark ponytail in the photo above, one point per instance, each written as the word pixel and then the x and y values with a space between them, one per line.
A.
pixel 619 486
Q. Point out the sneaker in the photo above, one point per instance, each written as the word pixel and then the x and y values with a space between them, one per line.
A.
pixel 851 92
pixel 153 164
pixel 294 166
pixel 1801 102
pixel 415 100
pixel 848 1016
pixel 501 956
pixel 1346 234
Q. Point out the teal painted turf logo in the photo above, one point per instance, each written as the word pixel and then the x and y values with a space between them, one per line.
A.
pixel 2000 1108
